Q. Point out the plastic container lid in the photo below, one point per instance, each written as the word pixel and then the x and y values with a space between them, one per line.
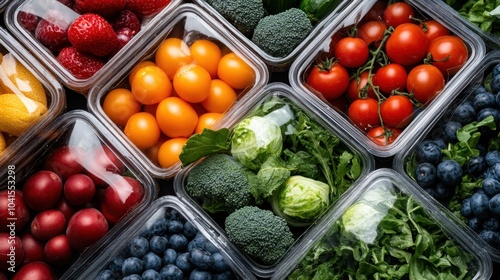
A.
pixel 405 162
pixel 422 116
pixel 279 64
pixel 53 102
pixel 386 224
pixel 273 93
pixel 82 132
pixel 148 225
pixel 81 85
pixel 188 23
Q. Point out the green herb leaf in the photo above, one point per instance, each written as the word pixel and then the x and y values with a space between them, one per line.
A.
pixel 205 143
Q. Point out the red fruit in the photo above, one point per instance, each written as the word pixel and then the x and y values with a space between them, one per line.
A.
pixel 33 248
pixel 79 64
pixel 102 165
pixel 146 8
pixel 28 20
pixel 35 271
pixel 65 208
pixel 85 228
pixel 42 190
pixel 91 33
pixel 11 251
pixel 67 3
pixel 58 250
pixel 51 31
pixel 12 206
pixel 65 161
pixel 48 224
pixel 124 36
pixel 102 7
pixel 79 189
pixel 120 197
pixel 126 19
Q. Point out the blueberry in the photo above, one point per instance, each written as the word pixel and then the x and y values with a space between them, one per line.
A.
pixel 479 90
pixel 152 261
pixel 190 230
pixel 200 258
pixel 449 172
pixel 105 275
pixel 428 151
pixel 476 165
pixel 492 157
pixel 440 143
pixel 486 112
pixel 479 204
pixel 484 100
pixel 139 247
pixel 226 275
pixel 497 98
pixel 173 214
pixel 200 275
pixel 151 274
pixel 175 226
pixel 132 277
pixel 464 114
pixel 491 186
pixel 160 226
pixel 116 263
pixel 425 174
pixel 219 263
pixel 475 224
pixel 178 242
pixel 171 272
pixel 450 131
pixel 443 193
pixel 466 209
pixel 158 244
pixel 495 84
pixel 490 237
pixel 493 172
pixel 146 233
pixel 494 204
pixel 169 256
pixel 183 262
pixel 491 224
pixel 496 70
pixel 132 265
pixel 431 192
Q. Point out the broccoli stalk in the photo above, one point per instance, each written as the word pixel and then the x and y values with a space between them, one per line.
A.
pixel 259 233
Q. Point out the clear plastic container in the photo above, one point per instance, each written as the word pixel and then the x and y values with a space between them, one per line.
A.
pixel 281 95
pixel 45 98
pixel 76 144
pixel 190 24
pixel 4 4
pixel 422 115
pixel 386 225
pixel 406 162
pixel 81 84
pixel 197 231
pixel 276 63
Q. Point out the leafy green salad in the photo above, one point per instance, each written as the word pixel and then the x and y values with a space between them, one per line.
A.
pixel 483 13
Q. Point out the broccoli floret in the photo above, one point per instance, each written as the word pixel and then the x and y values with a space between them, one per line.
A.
pixel 279 34
pixel 243 14
pixel 259 233
pixel 220 183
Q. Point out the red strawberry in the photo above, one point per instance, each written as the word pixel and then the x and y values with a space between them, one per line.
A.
pixel 28 20
pixel 67 3
pixel 79 64
pixel 146 8
pixel 51 31
pixel 126 19
pixel 91 33
pixel 102 7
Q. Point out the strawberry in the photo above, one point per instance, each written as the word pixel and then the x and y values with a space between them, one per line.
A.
pixel 79 64
pixel 28 20
pixel 126 19
pixel 51 31
pixel 146 8
pixel 91 33
pixel 67 3
pixel 101 7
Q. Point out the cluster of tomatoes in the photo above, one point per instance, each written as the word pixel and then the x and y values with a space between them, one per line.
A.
pixel 385 66
pixel 187 87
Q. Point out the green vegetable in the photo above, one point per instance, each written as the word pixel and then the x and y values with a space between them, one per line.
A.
pixel 300 200
pixel 254 139
pixel 243 14
pixel 385 235
pixel 269 33
pixel 316 10
pixel 220 184
pixel 482 13
pixel 278 6
pixel 259 233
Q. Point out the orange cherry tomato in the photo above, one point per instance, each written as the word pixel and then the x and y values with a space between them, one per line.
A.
pixel 192 83
pixel 235 71
pixel 176 117
pixel 207 54
pixel 152 153
pixel 137 67
pixel 119 105
pixel 171 54
pixel 206 120
pixel 168 154
pixel 220 97
pixel 143 130
pixel 150 85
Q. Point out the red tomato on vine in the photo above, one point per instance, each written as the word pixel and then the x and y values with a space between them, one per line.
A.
pixel 390 77
pixel 398 13
pixel 359 84
pixel 396 111
pixel 364 113
pixel 372 31
pixel 435 29
pixel 383 136
pixel 448 53
pixel 407 45
pixel 425 81
pixel 352 52
pixel 329 78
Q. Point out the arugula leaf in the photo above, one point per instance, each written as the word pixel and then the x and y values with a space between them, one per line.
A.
pixel 205 143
